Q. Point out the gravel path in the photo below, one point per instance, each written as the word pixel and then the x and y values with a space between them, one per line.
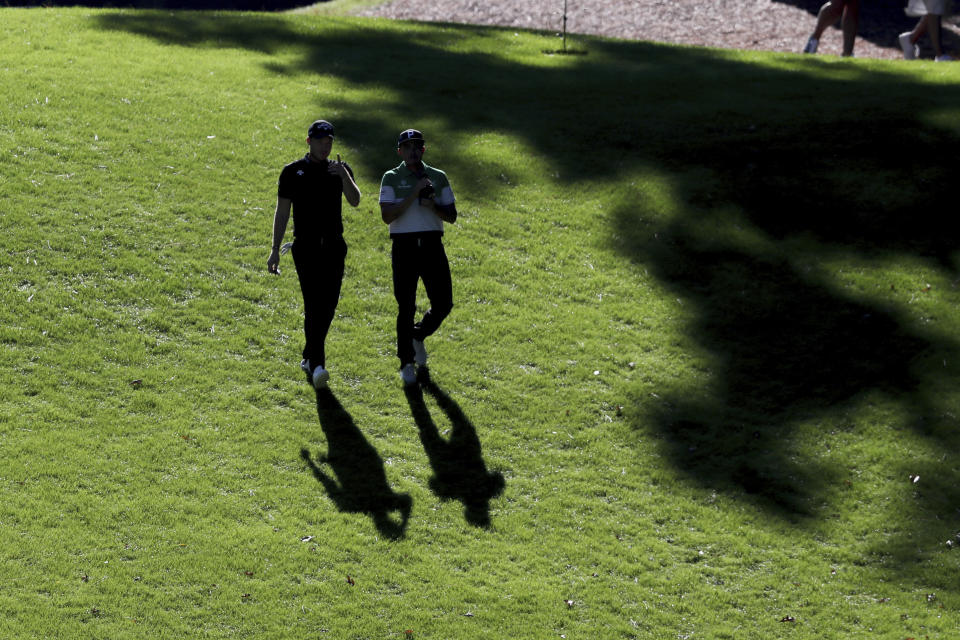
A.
pixel 771 25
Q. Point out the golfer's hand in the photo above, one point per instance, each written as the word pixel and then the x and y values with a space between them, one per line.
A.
pixel 273 262
pixel 337 168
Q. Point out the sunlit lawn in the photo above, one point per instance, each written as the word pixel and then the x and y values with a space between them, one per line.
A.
pixel 699 382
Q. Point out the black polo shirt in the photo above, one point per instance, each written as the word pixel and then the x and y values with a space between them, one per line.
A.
pixel 316 197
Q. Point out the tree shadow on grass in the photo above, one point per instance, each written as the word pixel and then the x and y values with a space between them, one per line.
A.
pixel 787 342
pixel 639 105
pixel 358 483
pixel 783 350
pixel 460 472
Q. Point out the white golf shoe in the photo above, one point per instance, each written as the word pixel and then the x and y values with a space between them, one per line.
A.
pixel 408 374
pixel 910 51
pixel 419 352
pixel 320 377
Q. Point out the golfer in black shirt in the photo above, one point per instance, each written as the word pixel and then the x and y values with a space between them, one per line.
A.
pixel 313 186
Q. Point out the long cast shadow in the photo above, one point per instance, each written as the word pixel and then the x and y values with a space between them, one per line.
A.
pixel 785 349
pixel 787 343
pixel 460 472
pixel 358 483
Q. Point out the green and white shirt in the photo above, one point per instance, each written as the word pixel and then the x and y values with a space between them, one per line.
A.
pixel 399 183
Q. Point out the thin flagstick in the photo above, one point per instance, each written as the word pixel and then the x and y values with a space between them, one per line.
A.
pixel 564 26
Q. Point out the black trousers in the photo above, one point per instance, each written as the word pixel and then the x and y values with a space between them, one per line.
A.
pixel 418 257
pixel 319 266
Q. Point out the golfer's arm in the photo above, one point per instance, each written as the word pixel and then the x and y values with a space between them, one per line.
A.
pixel 350 190
pixel 390 211
pixel 446 212
pixel 280 218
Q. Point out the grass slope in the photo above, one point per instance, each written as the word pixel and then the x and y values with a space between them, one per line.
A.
pixel 700 380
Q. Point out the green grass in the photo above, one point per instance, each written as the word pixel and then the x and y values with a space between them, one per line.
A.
pixel 704 339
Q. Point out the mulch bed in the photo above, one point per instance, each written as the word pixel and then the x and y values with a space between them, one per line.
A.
pixel 771 25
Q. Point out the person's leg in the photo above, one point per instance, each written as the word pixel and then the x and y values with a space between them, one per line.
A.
pixel 908 41
pixel 305 262
pixel 849 23
pixel 330 279
pixel 828 16
pixel 919 30
pixel 439 286
pixel 406 274
pixel 933 28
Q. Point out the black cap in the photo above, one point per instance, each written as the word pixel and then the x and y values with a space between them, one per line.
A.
pixel 410 134
pixel 320 129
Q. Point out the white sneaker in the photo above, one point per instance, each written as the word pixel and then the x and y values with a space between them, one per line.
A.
pixel 910 51
pixel 320 377
pixel 812 45
pixel 408 374
pixel 944 58
pixel 419 352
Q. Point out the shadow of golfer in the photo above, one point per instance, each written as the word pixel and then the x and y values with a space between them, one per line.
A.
pixel 358 483
pixel 459 470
